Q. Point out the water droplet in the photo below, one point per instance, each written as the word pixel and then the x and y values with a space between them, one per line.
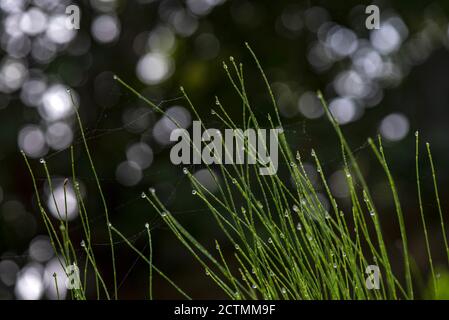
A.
pixel 42 160
pixel 303 202
pixel 284 291
pixel 217 246
pixel 298 156
pixel 143 195
pixel 372 213
pixel 164 213
pixel 416 133
pixel 207 272
pixel 62 227
pixel 259 204
pixel 312 153
pixel 225 66
pixel 272 274
pixel 217 102
pixel 194 192
pixel 270 240
pixel 243 210
pixel 295 208
pixel 83 244
pixel 212 112
pixel 115 77
pixel 234 181
pixel 348 175
pixel 231 58
pixel 344 254
pixel 68 90
pixel 147 225
pixel 237 247
pixel 109 225
pixel 286 214
pixel 335 266
pixel 292 164
pixel 310 238
pixel 282 236
pixel 185 170
pixel 254 286
pixel 253 271
pixel 298 226
pixel 327 215
pixel 318 169
pixel 152 190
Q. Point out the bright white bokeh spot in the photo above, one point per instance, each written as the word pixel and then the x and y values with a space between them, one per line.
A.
pixel 394 127
pixel 31 140
pixel 154 68
pixel 105 28
pixel 33 21
pixel 12 6
pixel 341 41
pixel 59 199
pixel 351 84
pixel 57 30
pixel 13 73
pixel 343 110
pixel 59 135
pixel 369 62
pixel 32 91
pixel 54 267
pixel 56 103
pixel 29 284
pixel 387 39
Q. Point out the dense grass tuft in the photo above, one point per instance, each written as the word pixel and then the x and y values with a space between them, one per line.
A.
pixel 287 244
